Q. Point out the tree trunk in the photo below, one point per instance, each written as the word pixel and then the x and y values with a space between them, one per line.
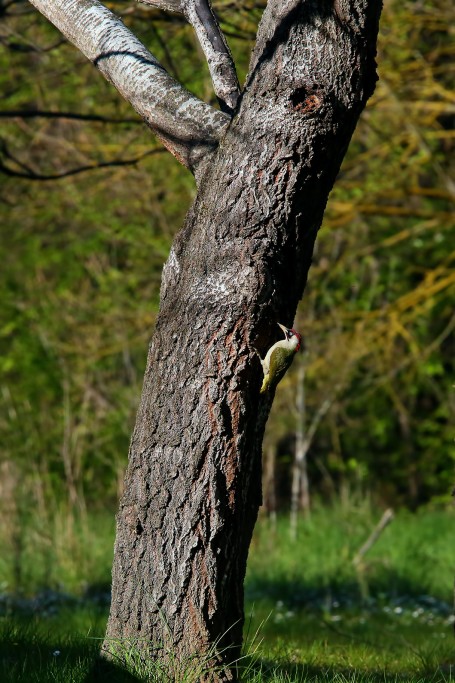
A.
pixel 238 266
pixel 300 488
pixel 269 482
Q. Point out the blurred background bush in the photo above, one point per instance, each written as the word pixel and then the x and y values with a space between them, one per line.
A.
pixel 89 205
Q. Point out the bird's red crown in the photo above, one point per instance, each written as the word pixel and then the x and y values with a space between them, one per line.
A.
pixel 294 333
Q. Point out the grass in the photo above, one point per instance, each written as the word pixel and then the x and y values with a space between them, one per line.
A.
pixel 315 617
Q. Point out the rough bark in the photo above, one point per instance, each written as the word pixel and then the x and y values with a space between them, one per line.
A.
pixel 238 266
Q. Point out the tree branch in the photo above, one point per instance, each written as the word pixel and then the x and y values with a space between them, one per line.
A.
pixel 29 174
pixel 188 127
pixel 70 115
pixel 386 518
pixel 200 15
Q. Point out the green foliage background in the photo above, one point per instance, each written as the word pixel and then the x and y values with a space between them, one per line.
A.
pixel 82 255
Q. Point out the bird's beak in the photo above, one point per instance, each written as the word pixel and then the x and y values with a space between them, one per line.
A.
pixel 285 329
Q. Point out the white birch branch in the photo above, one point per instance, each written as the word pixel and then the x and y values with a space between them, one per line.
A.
pixel 188 127
pixel 200 15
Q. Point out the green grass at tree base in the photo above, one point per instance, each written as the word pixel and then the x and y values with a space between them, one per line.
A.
pixel 361 649
pixel 310 614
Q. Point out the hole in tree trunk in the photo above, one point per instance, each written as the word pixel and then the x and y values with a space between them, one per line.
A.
pixel 305 101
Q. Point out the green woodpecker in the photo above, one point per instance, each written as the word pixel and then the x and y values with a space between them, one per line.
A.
pixel 279 357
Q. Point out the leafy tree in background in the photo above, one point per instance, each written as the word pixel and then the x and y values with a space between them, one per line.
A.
pixel 79 285
pixel 380 306
pixel 264 166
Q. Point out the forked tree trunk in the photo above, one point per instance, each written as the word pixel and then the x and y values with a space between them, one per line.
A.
pixel 237 267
